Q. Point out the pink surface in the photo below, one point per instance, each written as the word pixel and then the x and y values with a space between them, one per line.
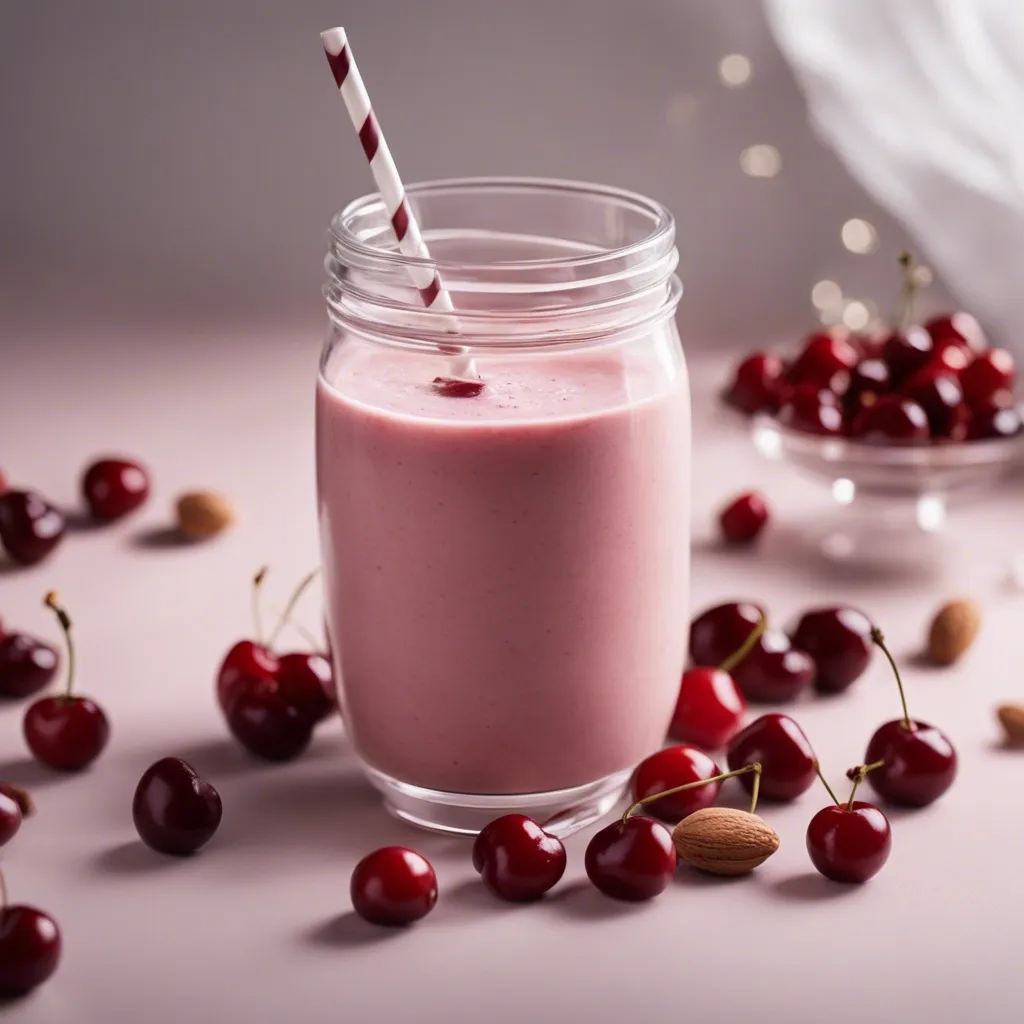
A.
pixel 256 927
pixel 506 574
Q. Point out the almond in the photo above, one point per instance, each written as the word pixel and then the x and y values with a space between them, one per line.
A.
pixel 202 514
pixel 1011 718
pixel 724 841
pixel 953 630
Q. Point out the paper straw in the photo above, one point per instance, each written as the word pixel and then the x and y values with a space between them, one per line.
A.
pixel 389 183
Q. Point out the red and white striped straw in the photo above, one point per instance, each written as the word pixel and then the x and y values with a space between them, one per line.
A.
pixel 389 183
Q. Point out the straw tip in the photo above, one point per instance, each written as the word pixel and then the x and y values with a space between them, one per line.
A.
pixel 334 40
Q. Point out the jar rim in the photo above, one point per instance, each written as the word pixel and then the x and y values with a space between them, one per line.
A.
pixel 662 231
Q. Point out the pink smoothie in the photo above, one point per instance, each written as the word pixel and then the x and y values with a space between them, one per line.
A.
pixel 507 575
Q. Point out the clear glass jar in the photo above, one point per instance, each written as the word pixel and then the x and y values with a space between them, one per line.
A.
pixel 506 572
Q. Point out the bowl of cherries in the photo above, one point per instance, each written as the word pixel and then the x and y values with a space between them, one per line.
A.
pixel 897 423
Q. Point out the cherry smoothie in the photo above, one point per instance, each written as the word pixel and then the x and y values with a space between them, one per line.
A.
pixel 506 567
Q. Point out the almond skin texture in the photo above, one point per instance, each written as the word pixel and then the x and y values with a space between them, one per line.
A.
pixel 724 841
pixel 1011 718
pixel 953 630
pixel 203 514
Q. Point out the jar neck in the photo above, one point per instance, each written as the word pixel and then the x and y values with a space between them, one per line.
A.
pixel 526 263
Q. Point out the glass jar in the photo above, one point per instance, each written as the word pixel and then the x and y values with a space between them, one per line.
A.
pixel 506 560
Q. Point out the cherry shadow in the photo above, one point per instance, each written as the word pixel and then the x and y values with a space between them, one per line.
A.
pixel 348 930
pixel 77 521
pixel 161 538
pixel 133 858
pixel 471 898
pixel 809 887
pixel 28 773
pixel 8 567
pixel 582 901
pixel 218 756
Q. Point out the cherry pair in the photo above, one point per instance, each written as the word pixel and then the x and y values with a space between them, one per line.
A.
pixel 31 526
pixel 273 703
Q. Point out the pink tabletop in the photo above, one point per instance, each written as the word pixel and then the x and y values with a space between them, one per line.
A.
pixel 258 927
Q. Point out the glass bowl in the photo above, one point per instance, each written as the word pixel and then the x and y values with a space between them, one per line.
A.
pixel 891 502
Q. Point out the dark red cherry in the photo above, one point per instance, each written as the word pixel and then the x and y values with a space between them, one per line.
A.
pixel 517 860
pixel 942 398
pixel 993 421
pixel 757 385
pixel 246 661
pixel 709 709
pixel 868 380
pixel 671 767
pixel 3 483
pixel 66 733
pixel 906 352
pixel 849 844
pixel 30 527
pixel 112 488
pixel 956 329
pixel 774 670
pixel 632 859
pixel 744 518
pixel 30 946
pixel 393 886
pixel 788 765
pixel 26 665
pixel 950 359
pixel 893 419
pixel 823 356
pixel 991 371
pixel 174 810
pixel 306 681
pixel 268 725
pixel 10 817
pixel 920 763
pixel 812 410
pixel 720 631
pixel 839 641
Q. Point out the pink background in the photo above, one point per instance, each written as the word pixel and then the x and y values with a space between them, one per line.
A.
pixel 167 181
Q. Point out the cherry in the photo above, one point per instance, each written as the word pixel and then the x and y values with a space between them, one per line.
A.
pixel 823 356
pixel 788 764
pixel 719 631
pixel 774 670
pixel 839 641
pixel 174 810
pixel 671 768
pixel 306 681
pixel 956 329
pixel 907 351
pixel 950 359
pixel 993 421
pixel 29 947
pixel 393 886
pixel 631 859
pixel 993 370
pixel 458 387
pixel 30 527
pixel 744 518
pixel 267 724
pixel 942 398
pixel 868 380
pixel 3 482
pixel 709 709
pixel 114 487
pixel 812 410
pixel 66 732
pixel 919 762
pixel 517 860
pixel 10 817
pixel 893 419
pixel 246 662
pixel 849 842
pixel 26 665
pixel 758 384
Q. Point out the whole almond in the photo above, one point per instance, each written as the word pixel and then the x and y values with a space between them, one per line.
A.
pixel 1011 718
pixel 954 628
pixel 202 514
pixel 724 841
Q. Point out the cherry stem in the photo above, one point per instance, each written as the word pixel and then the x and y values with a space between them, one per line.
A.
pixel 257 619
pixel 755 789
pixel 746 647
pixel 859 772
pixel 314 643
pixel 824 782
pixel 755 767
pixel 909 290
pixel 289 608
pixel 53 602
pixel 879 641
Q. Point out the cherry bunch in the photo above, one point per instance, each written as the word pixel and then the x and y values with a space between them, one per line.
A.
pixel 936 383
pixel 31 526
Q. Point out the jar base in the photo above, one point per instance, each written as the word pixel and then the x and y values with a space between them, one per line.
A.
pixel 561 811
